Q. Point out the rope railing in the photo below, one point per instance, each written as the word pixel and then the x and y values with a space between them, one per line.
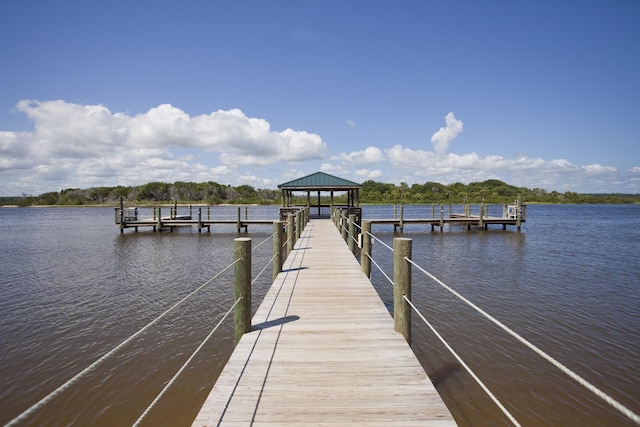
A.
pixel 404 326
pixel 380 268
pixel 263 268
pixel 183 367
pixel 380 241
pixel 573 375
pixel 42 402
pixel 263 242
pixel 241 259
pixel 464 365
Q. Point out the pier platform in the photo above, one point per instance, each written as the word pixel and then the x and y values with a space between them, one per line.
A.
pixel 323 351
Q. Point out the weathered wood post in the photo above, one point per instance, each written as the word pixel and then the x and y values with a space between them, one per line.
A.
pixel 277 248
pixel 351 243
pixel 402 286
pixel 199 219
pixel 343 226
pixel 480 222
pixel 122 224
pixel 402 218
pixel 238 223
pixel 365 261
pixel 159 219
pixel 291 237
pixel 242 313
pixel 518 212
pixel 441 217
pixel 298 224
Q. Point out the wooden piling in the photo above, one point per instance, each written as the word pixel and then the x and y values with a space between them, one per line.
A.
pixel 351 243
pixel 402 286
pixel 277 248
pixel 242 313
pixel 365 261
pixel 291 237
pixel 122 224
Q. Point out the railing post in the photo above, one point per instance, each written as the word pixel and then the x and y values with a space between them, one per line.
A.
pixel 298 224
pixel 242 313
pixel 122 224
pixel 365 261
pixel 290 234
pixel 344 230
pixel 238 226
pixel 159 219
pixel 277 248
pixel 518 212
pixel 402 286
pixel 351 243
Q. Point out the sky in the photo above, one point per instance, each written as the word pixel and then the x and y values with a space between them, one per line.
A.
pixel 540 94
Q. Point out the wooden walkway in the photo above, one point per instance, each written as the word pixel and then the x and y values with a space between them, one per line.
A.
pixel 323 352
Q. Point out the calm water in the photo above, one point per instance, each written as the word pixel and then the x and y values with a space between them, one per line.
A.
pixel 72 288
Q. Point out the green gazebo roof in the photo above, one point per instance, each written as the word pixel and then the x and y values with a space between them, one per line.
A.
pixel 320 181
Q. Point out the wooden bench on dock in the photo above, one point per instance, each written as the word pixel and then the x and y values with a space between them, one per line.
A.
pixel 323 351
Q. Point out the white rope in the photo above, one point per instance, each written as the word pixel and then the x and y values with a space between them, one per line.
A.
pixel 184 366
pixel 595 390
pixel 98 362
pixel 263 242
pixel 465 366
pixel 264 268
pixel 381 270
pixel 383 243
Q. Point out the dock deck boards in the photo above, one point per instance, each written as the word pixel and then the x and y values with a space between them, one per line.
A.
pixel 323 352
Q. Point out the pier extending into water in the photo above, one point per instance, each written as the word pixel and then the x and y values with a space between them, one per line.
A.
pixel 323 351
pixel 200 216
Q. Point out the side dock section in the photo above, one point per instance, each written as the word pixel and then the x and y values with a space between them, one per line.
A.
pixel 323 351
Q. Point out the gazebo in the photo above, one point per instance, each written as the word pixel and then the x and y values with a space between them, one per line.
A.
pixel 319 183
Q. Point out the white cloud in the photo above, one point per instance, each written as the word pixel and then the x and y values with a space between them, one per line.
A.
pixel 350 123
pixel 596 168
pixel 74 145
pixel 368 155
pixel 369 174
pixel 443 137
pixel 78 145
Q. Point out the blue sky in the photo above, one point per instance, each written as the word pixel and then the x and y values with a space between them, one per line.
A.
pixel 535 93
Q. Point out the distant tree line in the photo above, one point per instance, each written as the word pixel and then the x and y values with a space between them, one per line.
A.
pixel 489 191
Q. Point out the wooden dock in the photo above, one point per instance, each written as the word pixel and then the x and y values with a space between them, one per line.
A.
pixel 512 215
pixel 322 351
pixel 129 218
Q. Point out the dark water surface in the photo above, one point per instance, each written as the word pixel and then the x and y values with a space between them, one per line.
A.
pixel 72 288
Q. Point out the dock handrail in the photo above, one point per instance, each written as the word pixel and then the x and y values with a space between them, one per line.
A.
pixel 567 371
pixel 45 400
pixel 277 251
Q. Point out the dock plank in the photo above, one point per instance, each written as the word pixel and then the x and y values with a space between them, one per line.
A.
pixel 323 352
